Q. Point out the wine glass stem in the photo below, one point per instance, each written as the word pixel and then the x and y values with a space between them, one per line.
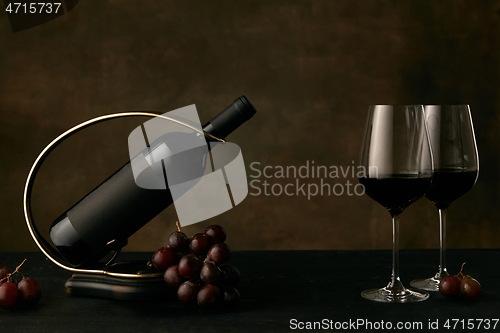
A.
pixel 395 283
pixel 442 272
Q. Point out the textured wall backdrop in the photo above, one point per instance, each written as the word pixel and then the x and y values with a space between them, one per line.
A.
pixel 311 68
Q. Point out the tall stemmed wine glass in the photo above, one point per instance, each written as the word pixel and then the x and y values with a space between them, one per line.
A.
pixel 456 164
pixel 398 166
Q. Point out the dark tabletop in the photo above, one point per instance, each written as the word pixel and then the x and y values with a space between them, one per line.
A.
pixel 276 287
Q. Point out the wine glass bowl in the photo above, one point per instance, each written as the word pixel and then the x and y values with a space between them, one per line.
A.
pixel 397 163
pixel 456 168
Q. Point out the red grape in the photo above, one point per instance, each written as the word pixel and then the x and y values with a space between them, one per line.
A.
pixel 470 288
pixel 210 273
pixel 449 286
pixel 164 258
pixel 188 291
pixel 29 291
pixel 231 295
pixel 8 295
pixel 209 296
pixel 193 267
pixel 220 253
pixel 172 276
pixel 178 241
pixel 189 265
pixel 231 275
pixel 199 244
pixel 3 272
pixel 215 234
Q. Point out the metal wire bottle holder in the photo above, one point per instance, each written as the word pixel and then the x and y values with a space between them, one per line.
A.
pixel 48 250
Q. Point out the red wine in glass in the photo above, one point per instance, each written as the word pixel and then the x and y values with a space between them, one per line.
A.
pixel 449 184
pixel 395 192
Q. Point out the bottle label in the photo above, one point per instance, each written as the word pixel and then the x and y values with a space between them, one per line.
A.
pixel 170 152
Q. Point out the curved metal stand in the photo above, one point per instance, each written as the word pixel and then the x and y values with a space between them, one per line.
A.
pixel 134 280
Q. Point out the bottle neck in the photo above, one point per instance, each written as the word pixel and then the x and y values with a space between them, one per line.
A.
pixel 230 118
pixel 210 129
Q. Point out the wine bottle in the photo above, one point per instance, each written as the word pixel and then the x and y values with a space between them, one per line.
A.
pixel 106 217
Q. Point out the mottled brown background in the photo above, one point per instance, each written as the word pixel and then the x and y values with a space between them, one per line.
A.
pixel 311 68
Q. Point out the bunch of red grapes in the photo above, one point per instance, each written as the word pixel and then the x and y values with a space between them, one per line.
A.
pixel 452 285
pixel 197 268
pixel 13 292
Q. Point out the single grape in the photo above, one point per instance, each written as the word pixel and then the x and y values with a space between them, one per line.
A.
pixel 163 258
pixel 29 291
pixel 209 296
pixel 470 287
pixel 190 265
pixel 188 291
pixel 3 272
pixel 449 286
pixel 178 241
pixel 219 253
pixel 199 244
pixel 8 295
pixel 231 295
pixel 215 234
pixel 172 276
pixel 231 275
pixel 210 273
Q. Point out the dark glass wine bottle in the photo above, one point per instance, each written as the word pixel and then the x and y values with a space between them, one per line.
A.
pixel 106 217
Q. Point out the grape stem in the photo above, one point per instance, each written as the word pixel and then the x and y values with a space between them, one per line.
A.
pixel 460 274
pixel 178 226
pixel 8 277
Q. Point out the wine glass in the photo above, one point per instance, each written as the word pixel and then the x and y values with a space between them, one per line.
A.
pixel 396 165
pixel 456 164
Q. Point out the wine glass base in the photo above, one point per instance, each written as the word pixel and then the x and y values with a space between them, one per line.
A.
pixel 385 295
pixel 430 284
